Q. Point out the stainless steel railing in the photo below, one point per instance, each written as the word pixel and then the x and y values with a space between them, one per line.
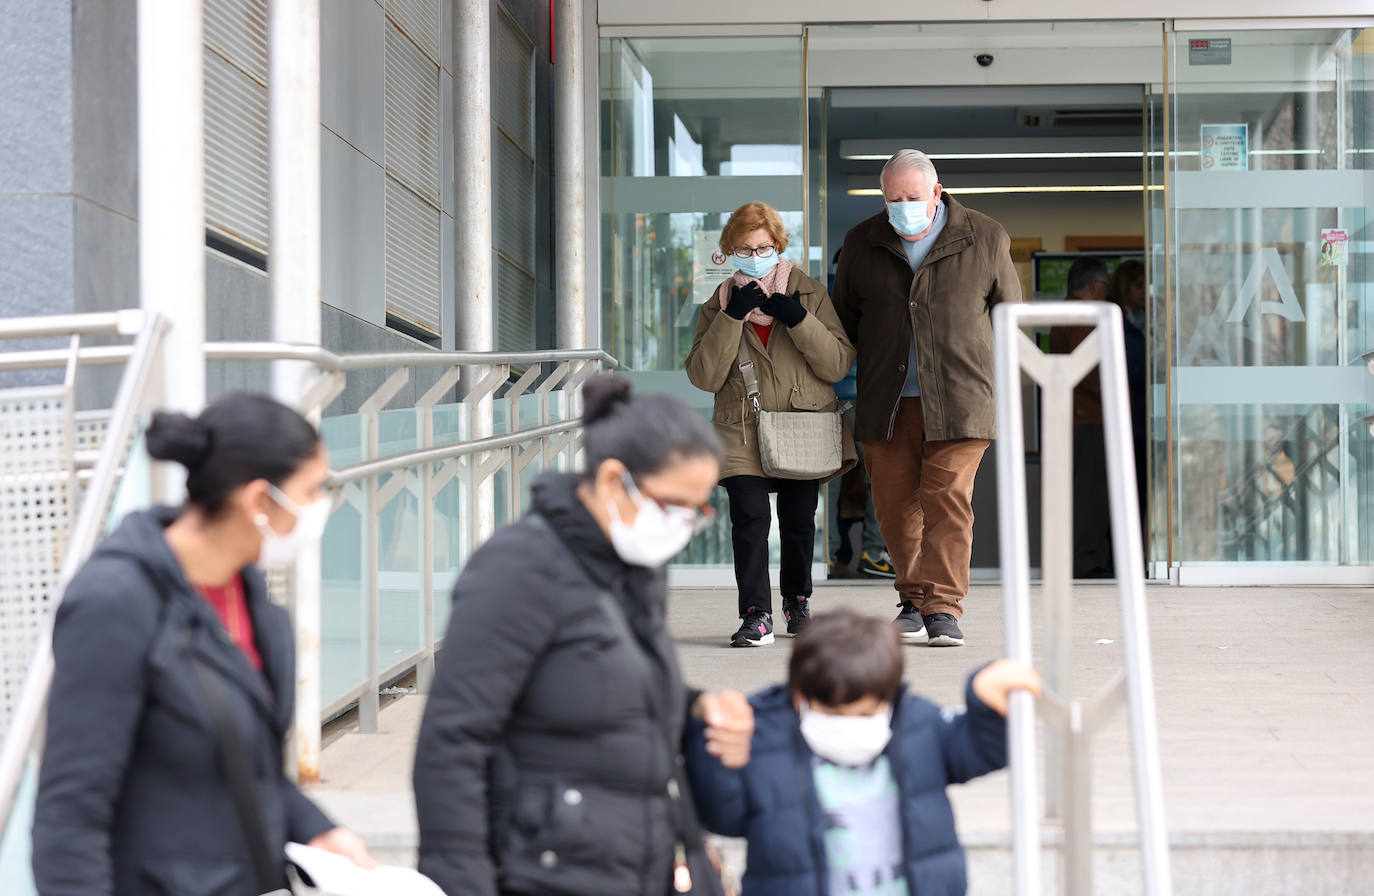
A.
pixel 26 716
pixel 1071 723
pixel 538 384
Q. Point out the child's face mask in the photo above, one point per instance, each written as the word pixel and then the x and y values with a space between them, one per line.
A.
pixel 846 740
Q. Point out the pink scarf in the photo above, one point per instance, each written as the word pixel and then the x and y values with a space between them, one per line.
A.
pixel 774 281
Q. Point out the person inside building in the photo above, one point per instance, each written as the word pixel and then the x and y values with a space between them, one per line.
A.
pixel 174 672
pixel 771 313
pixel 1127 289
pixel 547 758
pixel 1092 535
pixel 915 289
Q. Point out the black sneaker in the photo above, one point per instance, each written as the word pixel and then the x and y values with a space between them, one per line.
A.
pixel 942 630
pixel 756 629
pixel 880 566
pixel 797 612
pixel 910 623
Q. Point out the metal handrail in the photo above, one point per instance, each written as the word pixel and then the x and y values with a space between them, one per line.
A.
pixel 327 360
pixel 90 518
pixel 58 357
pixel 124 323
pixel 1072 723
pixel 412 459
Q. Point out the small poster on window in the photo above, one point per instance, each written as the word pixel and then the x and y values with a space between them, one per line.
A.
pixel 1335 246
pixel 1225 147
pixel 709 265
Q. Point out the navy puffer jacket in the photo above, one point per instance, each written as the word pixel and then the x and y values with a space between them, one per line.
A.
pixel 773 801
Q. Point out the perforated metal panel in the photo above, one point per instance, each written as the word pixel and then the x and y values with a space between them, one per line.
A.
pixel 419 19
pixel 412 257
pixel 236 120
pixel 412 116
pixel 37 497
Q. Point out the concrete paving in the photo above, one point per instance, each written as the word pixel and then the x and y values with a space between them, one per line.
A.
pixel 1266 702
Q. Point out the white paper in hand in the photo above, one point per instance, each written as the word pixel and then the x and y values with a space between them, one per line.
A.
pixel 335 875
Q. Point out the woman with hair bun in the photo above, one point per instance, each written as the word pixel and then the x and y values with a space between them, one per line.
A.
pixel 548 756
pixel 166 647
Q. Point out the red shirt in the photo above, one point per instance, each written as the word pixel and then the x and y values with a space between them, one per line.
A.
pixel 764 332
pixel 230 603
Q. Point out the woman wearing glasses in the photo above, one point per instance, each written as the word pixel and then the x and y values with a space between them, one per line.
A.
pixel 786 323
pixel 547 756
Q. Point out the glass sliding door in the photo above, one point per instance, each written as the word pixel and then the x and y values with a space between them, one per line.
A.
pixel 1271 158
pixel 692 128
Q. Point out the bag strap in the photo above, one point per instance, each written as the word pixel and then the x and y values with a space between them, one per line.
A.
pixel 745 362
pixel 235 762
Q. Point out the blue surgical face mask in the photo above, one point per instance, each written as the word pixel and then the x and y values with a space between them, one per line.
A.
pixel 909 218
pixel 753 266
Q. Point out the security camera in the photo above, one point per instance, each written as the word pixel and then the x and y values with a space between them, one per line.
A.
pixel 984 59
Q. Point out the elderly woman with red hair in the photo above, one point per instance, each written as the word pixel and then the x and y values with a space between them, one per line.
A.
pixel 789 328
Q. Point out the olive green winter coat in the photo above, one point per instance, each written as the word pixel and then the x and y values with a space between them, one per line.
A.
pixel 796 371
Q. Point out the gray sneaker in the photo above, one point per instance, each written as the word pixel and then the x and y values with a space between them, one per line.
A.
pixel 942 630
pixel 910 623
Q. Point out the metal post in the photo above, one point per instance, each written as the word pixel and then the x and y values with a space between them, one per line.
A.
pixel 1078 805
pixel 1135 630
pixel 472 190
pixel 1056 561
pixel 294 192
pixel 1015 541
pixel 569 181
pixel 171 201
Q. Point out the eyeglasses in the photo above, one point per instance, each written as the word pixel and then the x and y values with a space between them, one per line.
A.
pixel 761 251
pixel 701 516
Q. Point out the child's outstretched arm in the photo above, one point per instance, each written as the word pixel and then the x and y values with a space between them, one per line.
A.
pixel 715 766
pixel 975 741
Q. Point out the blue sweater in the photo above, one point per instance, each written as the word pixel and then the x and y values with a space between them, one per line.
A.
pixel 773 803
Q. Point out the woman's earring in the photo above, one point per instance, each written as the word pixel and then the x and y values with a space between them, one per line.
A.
pixel 260 520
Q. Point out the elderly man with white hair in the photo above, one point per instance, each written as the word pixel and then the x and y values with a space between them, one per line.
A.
pixel 914 290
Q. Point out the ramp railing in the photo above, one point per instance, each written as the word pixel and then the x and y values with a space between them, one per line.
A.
pixel 1071 723
pixel 60 468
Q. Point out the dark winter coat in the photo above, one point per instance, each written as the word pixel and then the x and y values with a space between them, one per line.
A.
pixel 541 767
pixel 131 797
pixel 773 801
pixel 945 307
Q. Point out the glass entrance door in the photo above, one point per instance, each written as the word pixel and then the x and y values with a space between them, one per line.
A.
pixel 1270 155
pixel 692 128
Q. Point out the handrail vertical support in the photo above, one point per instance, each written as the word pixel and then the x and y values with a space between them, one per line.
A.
pixel 1068 751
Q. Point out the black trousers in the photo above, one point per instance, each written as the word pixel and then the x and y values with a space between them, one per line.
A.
pixel 750 520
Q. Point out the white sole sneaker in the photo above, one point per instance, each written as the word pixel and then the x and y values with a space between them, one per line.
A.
pixel 746 642
pixel 945 641
pixel 913 637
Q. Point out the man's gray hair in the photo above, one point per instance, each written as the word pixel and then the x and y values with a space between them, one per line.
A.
pixel 905 159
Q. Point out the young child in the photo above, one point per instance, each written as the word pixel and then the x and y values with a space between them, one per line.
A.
pixel 844 793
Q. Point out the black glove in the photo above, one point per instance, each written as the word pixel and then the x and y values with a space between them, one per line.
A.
pixel 745 299
pixel 787 309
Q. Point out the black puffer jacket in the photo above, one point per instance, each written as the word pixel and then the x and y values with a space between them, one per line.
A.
pixel 131 799
pixel 541 766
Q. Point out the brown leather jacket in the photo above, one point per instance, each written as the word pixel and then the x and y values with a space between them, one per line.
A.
pixel 947 304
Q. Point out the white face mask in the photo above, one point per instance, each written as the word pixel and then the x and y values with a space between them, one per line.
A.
pixel 657 533
pixel 846 740
pixel 278 550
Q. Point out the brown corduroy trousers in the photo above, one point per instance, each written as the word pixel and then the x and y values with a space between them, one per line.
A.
pixel 923 496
